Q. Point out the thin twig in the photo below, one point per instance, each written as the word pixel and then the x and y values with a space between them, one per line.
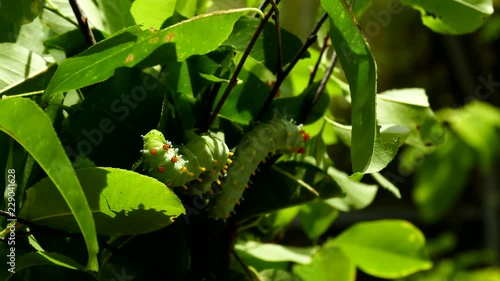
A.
pixel 245 267
pixel 82 22
pixel 234 77
pixel 56 11
pixel 316 66
pixel 279 56
pixel 311 39
pixel 322 85
pixel 263 5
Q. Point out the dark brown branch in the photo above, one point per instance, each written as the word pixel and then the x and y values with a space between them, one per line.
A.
pixel 82 22
pixel 316 66
pixel 279 56
pixel 322 85
pixel 234 77
pixel 311 39
pixel 242 263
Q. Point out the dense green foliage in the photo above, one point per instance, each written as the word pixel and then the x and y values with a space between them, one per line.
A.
pixel 73 113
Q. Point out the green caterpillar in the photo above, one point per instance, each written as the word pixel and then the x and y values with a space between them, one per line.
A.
pixel 276 135
pixel 203 158
pixel 203 161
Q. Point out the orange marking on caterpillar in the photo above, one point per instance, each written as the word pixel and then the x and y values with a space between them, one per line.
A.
pixel 166 146
pixel 174 159
pixel 161 169
pixel 153 151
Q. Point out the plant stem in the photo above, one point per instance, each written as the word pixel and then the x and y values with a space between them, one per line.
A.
pixel 311 39
pixel 56 11
pixel 322 85
pixel 82 22
pixel 316 66
pixel 276 17
pixel 4 97
pixel 234 77
pixel 245 267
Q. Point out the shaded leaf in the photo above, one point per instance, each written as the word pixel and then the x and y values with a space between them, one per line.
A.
pixel 441 178
pixel 286 179
pixel 21 11
pixel 358 195
pixel 122 203
pixel 316 218
pixel 18 64
pixel 361 72
pixel 264 50
pixel 275 252
pixel 40 258
pixel 328 263
pixel 25 122
pixel 385 248
pixel 454 16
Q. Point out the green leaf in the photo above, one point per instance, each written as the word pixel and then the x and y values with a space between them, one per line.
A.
pixel 264 50
pixel 25 122
pixel 329 263
pixel 277 275
pixel 385 248
pixel 410 108
pixel 122 202
pixel 18 64
pixel 198 35
pixel 441 178
pixel 385 183
pixel 291 180
pixel 152 13
pixel 361 72
pixel 246 98
pixel 316 218
pixel 275 252
pixel 387 142
pixel 116 14
pixel 44 258
pixel 21 11
pixel 453 16
pixel 478 125
pixel 358 195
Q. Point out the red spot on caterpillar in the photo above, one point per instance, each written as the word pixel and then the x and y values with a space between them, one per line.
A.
pixel 306 137
pixel 174 159
pixel 161 169
pixel 166 146
pixel 301 150
pixel 153 151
